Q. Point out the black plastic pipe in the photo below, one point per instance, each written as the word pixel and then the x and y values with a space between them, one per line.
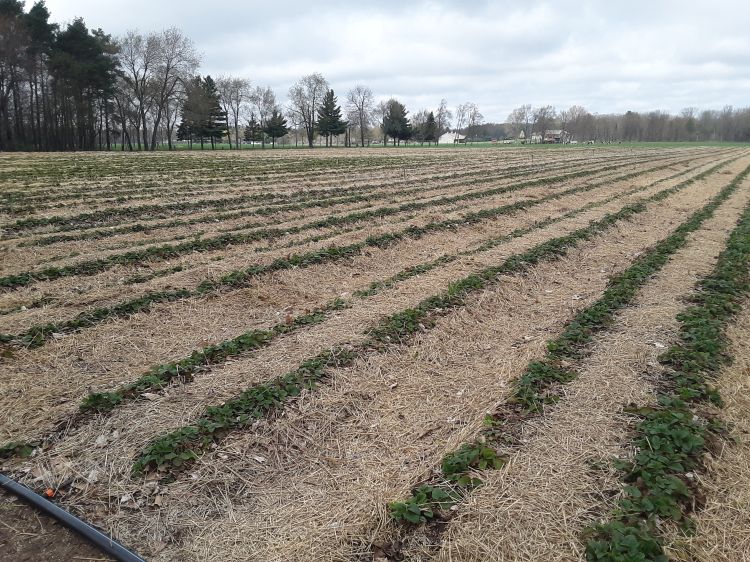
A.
pixel 105 543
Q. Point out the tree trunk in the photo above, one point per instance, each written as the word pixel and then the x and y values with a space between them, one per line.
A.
pixel 310 135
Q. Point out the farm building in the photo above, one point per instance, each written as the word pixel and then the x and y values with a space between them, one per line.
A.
pixel 451 138
pixel 555 136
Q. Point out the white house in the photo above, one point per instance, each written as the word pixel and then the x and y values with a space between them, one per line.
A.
pixel 451 138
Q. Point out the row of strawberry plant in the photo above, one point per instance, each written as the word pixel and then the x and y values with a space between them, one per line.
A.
pixel 241 277
pixel 288 170
pixel 460 207
pixel 93 218
pixel 419 269
pixel 207 173
pixel 299 172
pixel 306 199
pixel 169 251
pixel 312 199
pixel 162 375
pixel 264 211
pixel 670 438
pixel 541 383
pixel 39 334
pixel 173 450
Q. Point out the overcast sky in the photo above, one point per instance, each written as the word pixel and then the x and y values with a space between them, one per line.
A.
pixel 609 56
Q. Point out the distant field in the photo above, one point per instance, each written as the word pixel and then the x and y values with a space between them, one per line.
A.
pixel 382 354
pixel 302 146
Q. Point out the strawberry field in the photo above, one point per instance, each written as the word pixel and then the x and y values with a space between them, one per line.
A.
pixel 388 355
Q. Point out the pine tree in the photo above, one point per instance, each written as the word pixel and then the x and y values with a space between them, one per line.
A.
pixel 253 132
pixel 431 129
pixel 194 112
pixel 276 127
pixel 330 122
pixel 395 123
pixel 213 125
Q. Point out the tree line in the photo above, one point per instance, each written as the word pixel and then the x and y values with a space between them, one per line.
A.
pixel 73 88
pixel 728 124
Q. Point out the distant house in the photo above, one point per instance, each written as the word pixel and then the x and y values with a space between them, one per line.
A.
pixel 555 136
pixel 451 138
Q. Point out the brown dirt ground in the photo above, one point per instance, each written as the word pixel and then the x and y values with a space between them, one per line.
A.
pixel 28 536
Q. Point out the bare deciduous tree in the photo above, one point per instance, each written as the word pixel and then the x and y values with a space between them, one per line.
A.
pixel 572 120
pixel 176 61
pixel 461 112
pixel 360 105
pixel 234 94
pixel 138 55
pixel 544 117
pixel 473 118
pixel 468 117
pixel 155 67
pixel 443 117
pixel 520 119
pixel 379 114
pixel 305 97
pixel 264 102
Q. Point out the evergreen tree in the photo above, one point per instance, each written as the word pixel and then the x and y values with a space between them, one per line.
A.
pixel 214 121
pixel 330 122
pixel 194 112
pixel 276 126
pixel 431 129
pixel 253 132
pixel 202 115
pixel 83 67
pixel 395 123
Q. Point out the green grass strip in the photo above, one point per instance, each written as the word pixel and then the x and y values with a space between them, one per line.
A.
pixel 538 386
pixel 170 251
pixel 39 334
pixel 670 437
pixel 171 451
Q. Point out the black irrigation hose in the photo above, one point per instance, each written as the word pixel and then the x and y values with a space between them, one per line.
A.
pixel 105 543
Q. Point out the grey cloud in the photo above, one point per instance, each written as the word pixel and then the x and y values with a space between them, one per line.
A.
pixel 608 57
